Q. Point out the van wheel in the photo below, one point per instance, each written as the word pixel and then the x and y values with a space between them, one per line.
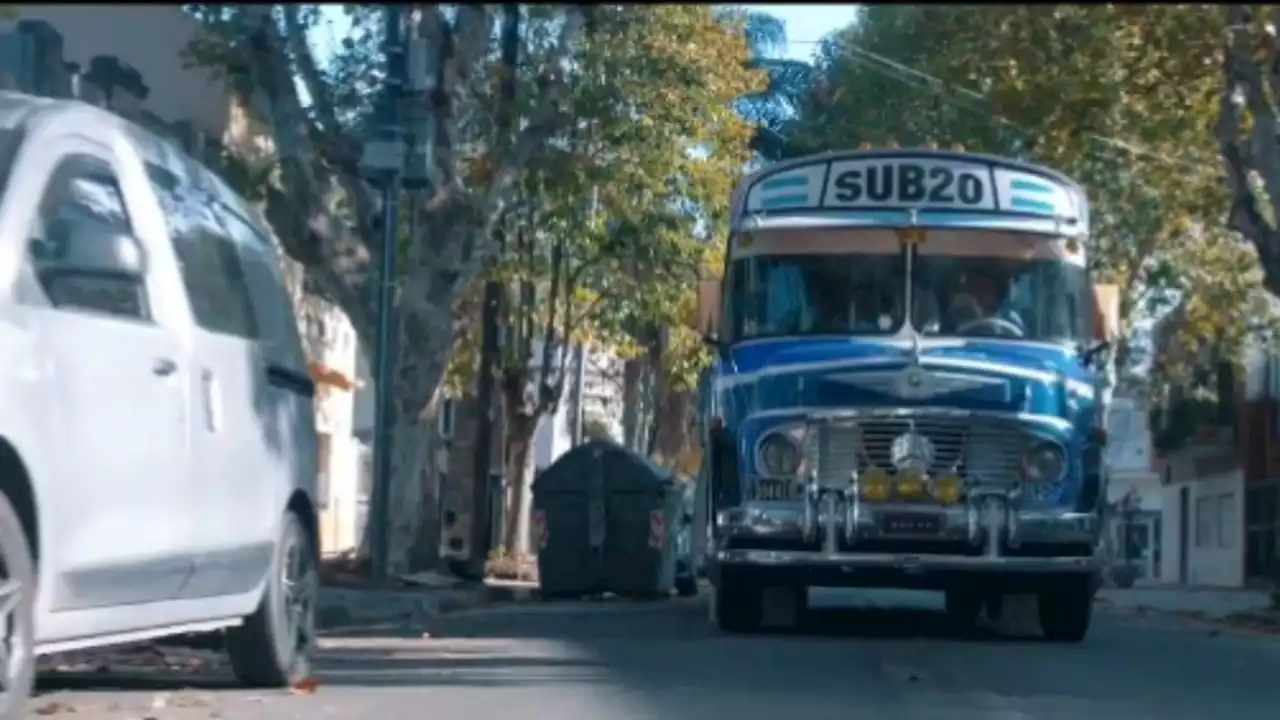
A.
pixel 17 614
pixel 273 647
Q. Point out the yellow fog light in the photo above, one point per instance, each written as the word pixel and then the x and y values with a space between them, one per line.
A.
pixel 874 485
pixel 910 485
pixel 947 488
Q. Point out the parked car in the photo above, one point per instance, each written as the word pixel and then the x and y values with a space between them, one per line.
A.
pixel 157 439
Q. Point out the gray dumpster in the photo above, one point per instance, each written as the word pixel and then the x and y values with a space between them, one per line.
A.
pixel 644 506
pixel 568 523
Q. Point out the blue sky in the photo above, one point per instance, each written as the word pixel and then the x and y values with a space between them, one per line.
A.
pixel 806 24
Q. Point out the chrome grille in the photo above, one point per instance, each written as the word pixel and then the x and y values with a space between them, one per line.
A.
pixel 984 450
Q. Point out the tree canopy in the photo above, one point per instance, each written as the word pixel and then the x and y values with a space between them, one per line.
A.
pixel 613 217
pixel 1123 98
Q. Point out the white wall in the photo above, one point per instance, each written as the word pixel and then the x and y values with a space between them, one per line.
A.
pixel 151 38
pixel 1129 455
pixel 1215 540
pixel 362 406
pixel 331 341
pixel 1128 437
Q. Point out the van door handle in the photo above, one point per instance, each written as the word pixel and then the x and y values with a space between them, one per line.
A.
pixel 164 367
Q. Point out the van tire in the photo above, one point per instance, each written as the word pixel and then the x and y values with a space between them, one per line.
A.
pixel 273 647
pixel 19 567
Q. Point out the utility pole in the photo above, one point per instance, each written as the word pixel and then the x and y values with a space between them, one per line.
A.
pixel 384 160
pixel 580 352
pixel 579 380
pixel 481 501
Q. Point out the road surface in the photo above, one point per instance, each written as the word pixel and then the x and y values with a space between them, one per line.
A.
pixel 875 655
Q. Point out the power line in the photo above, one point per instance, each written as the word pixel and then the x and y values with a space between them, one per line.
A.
pixel 901 72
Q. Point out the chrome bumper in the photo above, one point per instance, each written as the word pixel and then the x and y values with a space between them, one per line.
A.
pixel 990 521
pixel 853 560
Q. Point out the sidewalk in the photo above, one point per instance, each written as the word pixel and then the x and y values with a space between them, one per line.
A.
pixel 1204 602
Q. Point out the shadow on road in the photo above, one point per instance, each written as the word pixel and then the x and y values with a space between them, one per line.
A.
pixel 639 645
pixel 630 659
pixel 558 642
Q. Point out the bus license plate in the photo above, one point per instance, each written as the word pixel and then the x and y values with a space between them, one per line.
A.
pixel 775 490
pixel 908 523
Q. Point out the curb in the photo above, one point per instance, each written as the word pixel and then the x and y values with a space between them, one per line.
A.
pixel 1256 622
pixel 339 607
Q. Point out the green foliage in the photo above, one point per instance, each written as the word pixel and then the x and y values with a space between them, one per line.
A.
pixel 613 221
pixel 1122 98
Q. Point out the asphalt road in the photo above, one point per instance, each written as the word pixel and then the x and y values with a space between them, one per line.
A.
pixel 862 655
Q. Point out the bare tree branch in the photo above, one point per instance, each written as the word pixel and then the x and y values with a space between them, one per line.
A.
pixel 335 257
pixel 1242 77
pixel 549 115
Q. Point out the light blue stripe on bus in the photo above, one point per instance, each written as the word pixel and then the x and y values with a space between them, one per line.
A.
pixel 1031 186
pixel 1032 205
pixel 785 183
pixel 784 201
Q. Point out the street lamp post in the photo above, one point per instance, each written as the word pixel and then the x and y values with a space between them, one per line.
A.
pixel 384 160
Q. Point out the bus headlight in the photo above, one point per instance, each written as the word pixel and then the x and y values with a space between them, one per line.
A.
pixel 1044 463
pixel 779 454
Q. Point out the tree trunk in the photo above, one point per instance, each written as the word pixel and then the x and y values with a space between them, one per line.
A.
pixel 519 455
pixel 424 338
pixel 631 403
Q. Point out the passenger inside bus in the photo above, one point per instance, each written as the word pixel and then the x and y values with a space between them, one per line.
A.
pixel 979 297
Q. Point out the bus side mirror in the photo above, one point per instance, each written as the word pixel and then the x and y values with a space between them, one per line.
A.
pixel 1089 355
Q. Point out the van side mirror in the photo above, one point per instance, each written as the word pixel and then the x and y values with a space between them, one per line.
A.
pixel 88 247
pixel 84 263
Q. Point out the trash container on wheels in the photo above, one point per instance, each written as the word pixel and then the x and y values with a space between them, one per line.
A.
pixel 644 505
pixel 568 523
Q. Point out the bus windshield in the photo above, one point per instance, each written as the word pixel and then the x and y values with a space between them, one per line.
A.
pixel 998 284
pixel 816 282
pixel 964 283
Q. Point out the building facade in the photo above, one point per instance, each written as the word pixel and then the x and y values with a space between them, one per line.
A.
pixel 1218 474
pixel 1260 452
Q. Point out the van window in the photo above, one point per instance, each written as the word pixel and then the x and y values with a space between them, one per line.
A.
pixel 83 191
pixel 212 269
pixel 275 311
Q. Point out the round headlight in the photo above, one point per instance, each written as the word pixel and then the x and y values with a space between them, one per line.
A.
pixel 1044 463
pixel 779 455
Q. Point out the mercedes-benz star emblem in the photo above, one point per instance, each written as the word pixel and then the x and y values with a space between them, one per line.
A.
pixel 911 452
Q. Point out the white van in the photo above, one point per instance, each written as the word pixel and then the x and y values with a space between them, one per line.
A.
pixel 157 440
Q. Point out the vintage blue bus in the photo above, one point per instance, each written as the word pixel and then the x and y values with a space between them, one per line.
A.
pixel 907 390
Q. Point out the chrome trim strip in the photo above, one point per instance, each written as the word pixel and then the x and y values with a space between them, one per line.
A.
pixel 801 520
pixel 936 219
pixel 826 414
pixel 927 362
